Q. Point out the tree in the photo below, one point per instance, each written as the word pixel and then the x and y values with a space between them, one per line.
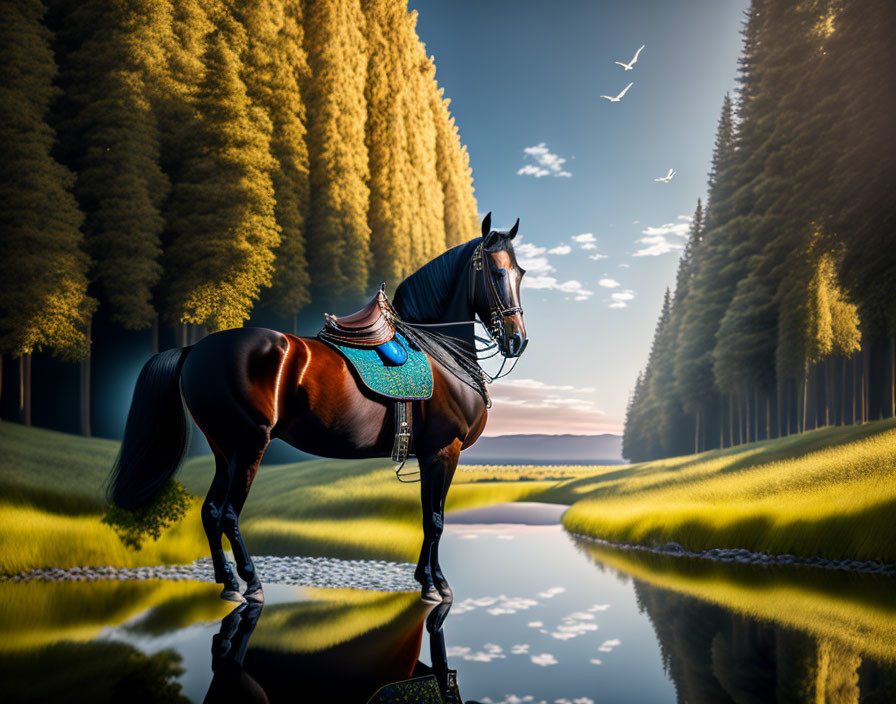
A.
pixel 224 229
pixel 338 234
pixel 389 214
pixel 275 71
pixel 43 272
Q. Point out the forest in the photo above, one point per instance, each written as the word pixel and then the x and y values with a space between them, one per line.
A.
pixel 783 315
pixel 181 166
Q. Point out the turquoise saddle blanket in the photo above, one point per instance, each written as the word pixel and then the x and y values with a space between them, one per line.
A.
pixel 410 380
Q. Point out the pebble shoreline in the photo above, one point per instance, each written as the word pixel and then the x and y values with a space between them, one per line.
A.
pixel 324 572
pixel 747 557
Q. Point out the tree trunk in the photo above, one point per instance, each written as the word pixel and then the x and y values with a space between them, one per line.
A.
pixel 768 417
pixel 805 395
pixel 843 392
pixel 855 391
pixel 730 420
pixel 697 432
pixel 25 389
pixel 892 375
pixel 85 387
pixel 864 383
pixel 721 422
pixel 155 335
pixel 740 422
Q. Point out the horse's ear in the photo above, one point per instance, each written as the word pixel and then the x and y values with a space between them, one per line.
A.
pixel 513 230
pixel 486 224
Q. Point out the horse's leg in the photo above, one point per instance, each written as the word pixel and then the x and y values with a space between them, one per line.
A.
pixel 244 470
pixel 213 510
pixel 434 471
pixel 438 578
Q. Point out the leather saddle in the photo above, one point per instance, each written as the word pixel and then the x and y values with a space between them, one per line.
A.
pixel 371 326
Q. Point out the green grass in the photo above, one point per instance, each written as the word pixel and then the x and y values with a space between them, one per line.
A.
pixel 828 493
pixel 52 503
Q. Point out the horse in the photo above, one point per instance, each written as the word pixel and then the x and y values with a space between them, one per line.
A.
pixel 244 387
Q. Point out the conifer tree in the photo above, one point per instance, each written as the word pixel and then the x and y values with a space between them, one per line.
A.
pixel 453 164
pixel 224 230
pixel 428 209
pixel 43 271
pixel 108 82
pixel 338 239
pixel 389 213
pixel 275 71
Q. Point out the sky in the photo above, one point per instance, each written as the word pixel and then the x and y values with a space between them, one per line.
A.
pixel 599 237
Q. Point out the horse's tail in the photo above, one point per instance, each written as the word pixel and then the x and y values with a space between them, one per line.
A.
pixel 155 436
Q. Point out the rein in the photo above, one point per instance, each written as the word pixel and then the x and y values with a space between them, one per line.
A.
pixel 497 312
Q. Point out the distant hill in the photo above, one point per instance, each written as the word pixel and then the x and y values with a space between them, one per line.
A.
pixel 538 449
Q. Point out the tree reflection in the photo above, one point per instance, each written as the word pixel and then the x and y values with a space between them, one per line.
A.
pixel 717 656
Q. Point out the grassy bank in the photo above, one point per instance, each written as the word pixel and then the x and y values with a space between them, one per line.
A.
pixel 828 493
pixel 51 506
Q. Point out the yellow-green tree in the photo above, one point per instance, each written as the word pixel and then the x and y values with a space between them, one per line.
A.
pixel 427 209
pixel 223 226
pixel 43 271
pixel 338 235
pixel 389 211
pixel 455 173
pixel 275 71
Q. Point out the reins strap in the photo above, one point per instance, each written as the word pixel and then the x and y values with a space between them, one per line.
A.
pixel 402 446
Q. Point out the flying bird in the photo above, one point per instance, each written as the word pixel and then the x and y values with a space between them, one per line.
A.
pixel 628 66
pixel 667 177
pixel 618 97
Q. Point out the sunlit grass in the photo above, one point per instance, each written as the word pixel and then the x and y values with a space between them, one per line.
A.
pixel 52 505
pixel 836 502
pixel 528 472
pixel 334 616
pixel 40 613
pixel 855 610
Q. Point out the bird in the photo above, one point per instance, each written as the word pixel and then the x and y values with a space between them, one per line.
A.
pixel 618 97
pixel 667 177
pixel 628 66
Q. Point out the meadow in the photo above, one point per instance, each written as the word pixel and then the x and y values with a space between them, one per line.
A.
pixel 827 493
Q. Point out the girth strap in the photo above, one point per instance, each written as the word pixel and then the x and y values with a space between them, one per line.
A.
pixel 401 448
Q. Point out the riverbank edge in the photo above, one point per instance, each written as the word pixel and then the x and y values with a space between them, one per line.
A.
pixel 748 557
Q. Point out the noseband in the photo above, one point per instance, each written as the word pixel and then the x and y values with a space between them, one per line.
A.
pixel 498 310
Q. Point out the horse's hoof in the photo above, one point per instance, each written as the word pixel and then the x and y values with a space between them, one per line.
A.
pixel 431 596
pixel 256 595
pixel 231 595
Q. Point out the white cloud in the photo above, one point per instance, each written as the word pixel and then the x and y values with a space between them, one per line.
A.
pixel 543 162
pixel 584 238
pixel 657 240
pixel 597 256
pixel 535 624
pixel 609 283
pixel 545 659
pixel 599 607
pixel 532 170
pixel 549 282
pixel 595 661
pixel 560 249
pixel 467 653
pixel 532 259
pixel 531 406
pixel 620 299
pixel 625 266
pixel 608 645
pixel 551 592
pixel 521 649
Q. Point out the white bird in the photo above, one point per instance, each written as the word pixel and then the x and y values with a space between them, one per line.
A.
pixel 667 177
pixel 628 66
pixel 618 97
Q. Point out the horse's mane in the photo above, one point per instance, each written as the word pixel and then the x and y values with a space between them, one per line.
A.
pixel 426 295
pixel 437 293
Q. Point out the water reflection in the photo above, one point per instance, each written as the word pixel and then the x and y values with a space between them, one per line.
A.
pixel 241 674
pixel 718 652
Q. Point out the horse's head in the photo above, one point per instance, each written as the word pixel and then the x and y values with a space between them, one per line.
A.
pixel 497 298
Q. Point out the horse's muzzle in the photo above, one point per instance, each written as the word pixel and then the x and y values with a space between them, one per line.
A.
pixel 516 343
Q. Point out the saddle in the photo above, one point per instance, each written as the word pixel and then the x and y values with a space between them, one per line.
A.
pixel 384 360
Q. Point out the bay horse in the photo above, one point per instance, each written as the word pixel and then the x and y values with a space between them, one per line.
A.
pixel 246 386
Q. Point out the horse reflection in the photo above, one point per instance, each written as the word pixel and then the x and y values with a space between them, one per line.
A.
pixel 380 667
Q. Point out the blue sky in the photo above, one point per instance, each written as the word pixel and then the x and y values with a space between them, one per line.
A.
pixel 600 237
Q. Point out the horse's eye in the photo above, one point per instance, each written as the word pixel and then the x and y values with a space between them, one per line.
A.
pixel 500 272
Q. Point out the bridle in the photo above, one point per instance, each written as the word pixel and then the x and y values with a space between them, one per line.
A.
pixel 498 310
